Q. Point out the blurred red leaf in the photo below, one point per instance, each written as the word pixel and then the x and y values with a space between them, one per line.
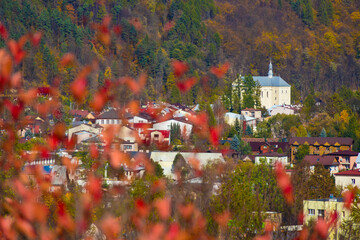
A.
pixel 186 210
pixel 349 196
pixel 173 232
pixel 333 218
pixel 223 218
pixel 94 188
pixel 215 136
pixel 3 32
pixel 15 80
pixel 99 100
pixel 67 59
pixel 163 207
pixel 26 228
pixel 15 110
pixel 284 183
pixel 110 227
pixel 220 71
pixel 6 227
pixel 94 152
pixel 16 50
pixel 141 207
pixel 322 228
pixel 64 218
pixel 135 86
pixel 179 68
pixel 78 89
pixel 36 38
pixel 186 85
pixel 117 159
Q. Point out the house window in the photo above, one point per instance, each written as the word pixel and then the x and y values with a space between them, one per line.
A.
pixel 267 94
pixel 311 211
pixel 321 213
pixel 127 147
pixel 353 181
pixel 275 98
pixel 347 159
pixel 262 95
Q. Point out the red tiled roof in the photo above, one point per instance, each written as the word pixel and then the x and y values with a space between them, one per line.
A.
pixel 325 160
pixel 355 172
pixel 322 140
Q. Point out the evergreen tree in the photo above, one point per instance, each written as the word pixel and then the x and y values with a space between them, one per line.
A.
pixel 307 13
pixel 248 131
pixel 238 127
pixel 235 143
pixel 175 133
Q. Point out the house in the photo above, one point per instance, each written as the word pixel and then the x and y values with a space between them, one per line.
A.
pixel 84 131
pixel 156 136
pixel 110 117
pixel 346 178
pixel 271 158
pixel 252 112
pixel 323 208
pixel 250 121
pixel 230 118
pixel 320 145
pixel 329 162
pixel 346 159
pixel 166 159
pixel 273 89
pixel 185 126
pixel 281 109
pixel 265 147
pixel 142 117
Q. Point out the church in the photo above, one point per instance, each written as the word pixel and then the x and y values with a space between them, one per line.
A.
pixel 274 89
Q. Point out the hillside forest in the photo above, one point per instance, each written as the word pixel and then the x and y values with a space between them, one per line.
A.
pixel 314 44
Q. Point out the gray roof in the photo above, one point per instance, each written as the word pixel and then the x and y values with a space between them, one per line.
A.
pixel 274 81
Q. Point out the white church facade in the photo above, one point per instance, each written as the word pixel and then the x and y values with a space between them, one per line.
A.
pixel 274 89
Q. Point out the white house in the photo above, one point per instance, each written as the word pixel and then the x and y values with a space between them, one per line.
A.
pixel 84 131
pixel 166 159
pixel 110 117
pixel 271 158
pixel 185 127
pixel 346 178
pixel 281 109
pixel 230 118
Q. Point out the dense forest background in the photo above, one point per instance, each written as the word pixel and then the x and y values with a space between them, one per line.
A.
pixel 314 44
